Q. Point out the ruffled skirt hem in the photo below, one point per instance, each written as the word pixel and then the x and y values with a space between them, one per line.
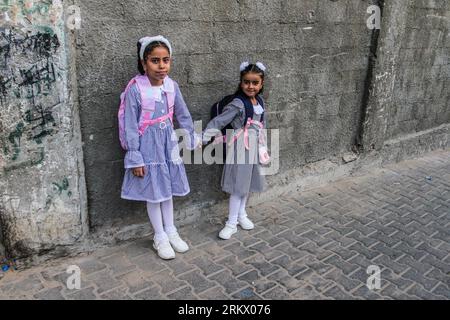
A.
pixel 161 182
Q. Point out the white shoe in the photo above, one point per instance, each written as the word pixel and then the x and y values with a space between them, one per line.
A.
pixel 177 243
pixel 227 232
pixel 165 250
pixel 246 223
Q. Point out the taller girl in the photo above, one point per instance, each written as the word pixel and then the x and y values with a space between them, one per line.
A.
pixel 154 170
pixel 242 172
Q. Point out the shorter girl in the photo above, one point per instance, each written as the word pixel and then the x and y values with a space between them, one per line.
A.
pixel 155 172
pixel 242 171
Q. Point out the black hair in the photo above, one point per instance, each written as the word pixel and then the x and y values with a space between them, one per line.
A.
pixel 149 49
pixel 252 68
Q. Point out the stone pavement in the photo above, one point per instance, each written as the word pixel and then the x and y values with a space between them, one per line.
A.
pixel 313 245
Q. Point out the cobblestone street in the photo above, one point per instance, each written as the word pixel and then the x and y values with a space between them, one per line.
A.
pixel 313 245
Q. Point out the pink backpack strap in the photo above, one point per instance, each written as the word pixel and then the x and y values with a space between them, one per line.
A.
pixel 148 101
pixel 169 90
pixel 148 105
pixel 244 131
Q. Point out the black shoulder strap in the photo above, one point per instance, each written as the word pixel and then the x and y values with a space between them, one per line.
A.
pixel 248 108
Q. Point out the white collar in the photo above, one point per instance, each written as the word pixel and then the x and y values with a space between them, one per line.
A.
pixel 168 85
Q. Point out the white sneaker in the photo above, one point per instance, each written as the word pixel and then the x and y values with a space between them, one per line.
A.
pixel 227 232
pixel 164 249
pixel 177 243
pixel 246 223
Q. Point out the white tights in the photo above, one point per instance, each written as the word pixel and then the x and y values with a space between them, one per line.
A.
pixel 162 219
pixel 237 209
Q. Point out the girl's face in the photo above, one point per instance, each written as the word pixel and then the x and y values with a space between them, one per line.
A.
pixel 252 84
pixel 157 66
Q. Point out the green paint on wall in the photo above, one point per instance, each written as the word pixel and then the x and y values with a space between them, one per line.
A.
pixel 14 138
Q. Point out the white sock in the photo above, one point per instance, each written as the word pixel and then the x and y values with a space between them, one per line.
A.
pixel 242 212
pixel 154 213
pixel 168 218
pixel 235 204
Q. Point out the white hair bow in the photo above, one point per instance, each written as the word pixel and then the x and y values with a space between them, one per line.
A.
pixel 244 65
pixel 261 66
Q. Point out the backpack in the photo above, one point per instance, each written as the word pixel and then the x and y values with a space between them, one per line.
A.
pixel 218 107
pixel 148 103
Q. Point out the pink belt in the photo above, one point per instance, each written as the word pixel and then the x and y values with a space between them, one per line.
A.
pixel 161 121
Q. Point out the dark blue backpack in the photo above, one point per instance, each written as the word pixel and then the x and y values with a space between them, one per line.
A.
pixel 218 107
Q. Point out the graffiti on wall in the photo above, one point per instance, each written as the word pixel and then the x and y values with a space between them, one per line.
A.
pixel 40 44
pixel 29 77
pixel 18 206
pixel 28 85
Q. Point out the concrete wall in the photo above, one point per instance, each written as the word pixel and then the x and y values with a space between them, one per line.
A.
pixel 408 109
pixel 335 88
pixel 316 52
pixel 41 176
pixel 422 72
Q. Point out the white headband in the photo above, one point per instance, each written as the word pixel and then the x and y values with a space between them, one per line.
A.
pixel 147 40
pixel 244 65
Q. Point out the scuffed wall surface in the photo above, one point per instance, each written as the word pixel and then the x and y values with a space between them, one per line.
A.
pixel 40 146
pixel 410 89
pixel 422 73
pixel 316 52
pixel 323 92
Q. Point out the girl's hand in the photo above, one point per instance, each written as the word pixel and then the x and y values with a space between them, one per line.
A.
pixel 198 143
pixel 139 172
pixel 206 138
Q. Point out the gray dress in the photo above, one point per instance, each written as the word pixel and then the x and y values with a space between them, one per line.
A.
pixel 242 170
